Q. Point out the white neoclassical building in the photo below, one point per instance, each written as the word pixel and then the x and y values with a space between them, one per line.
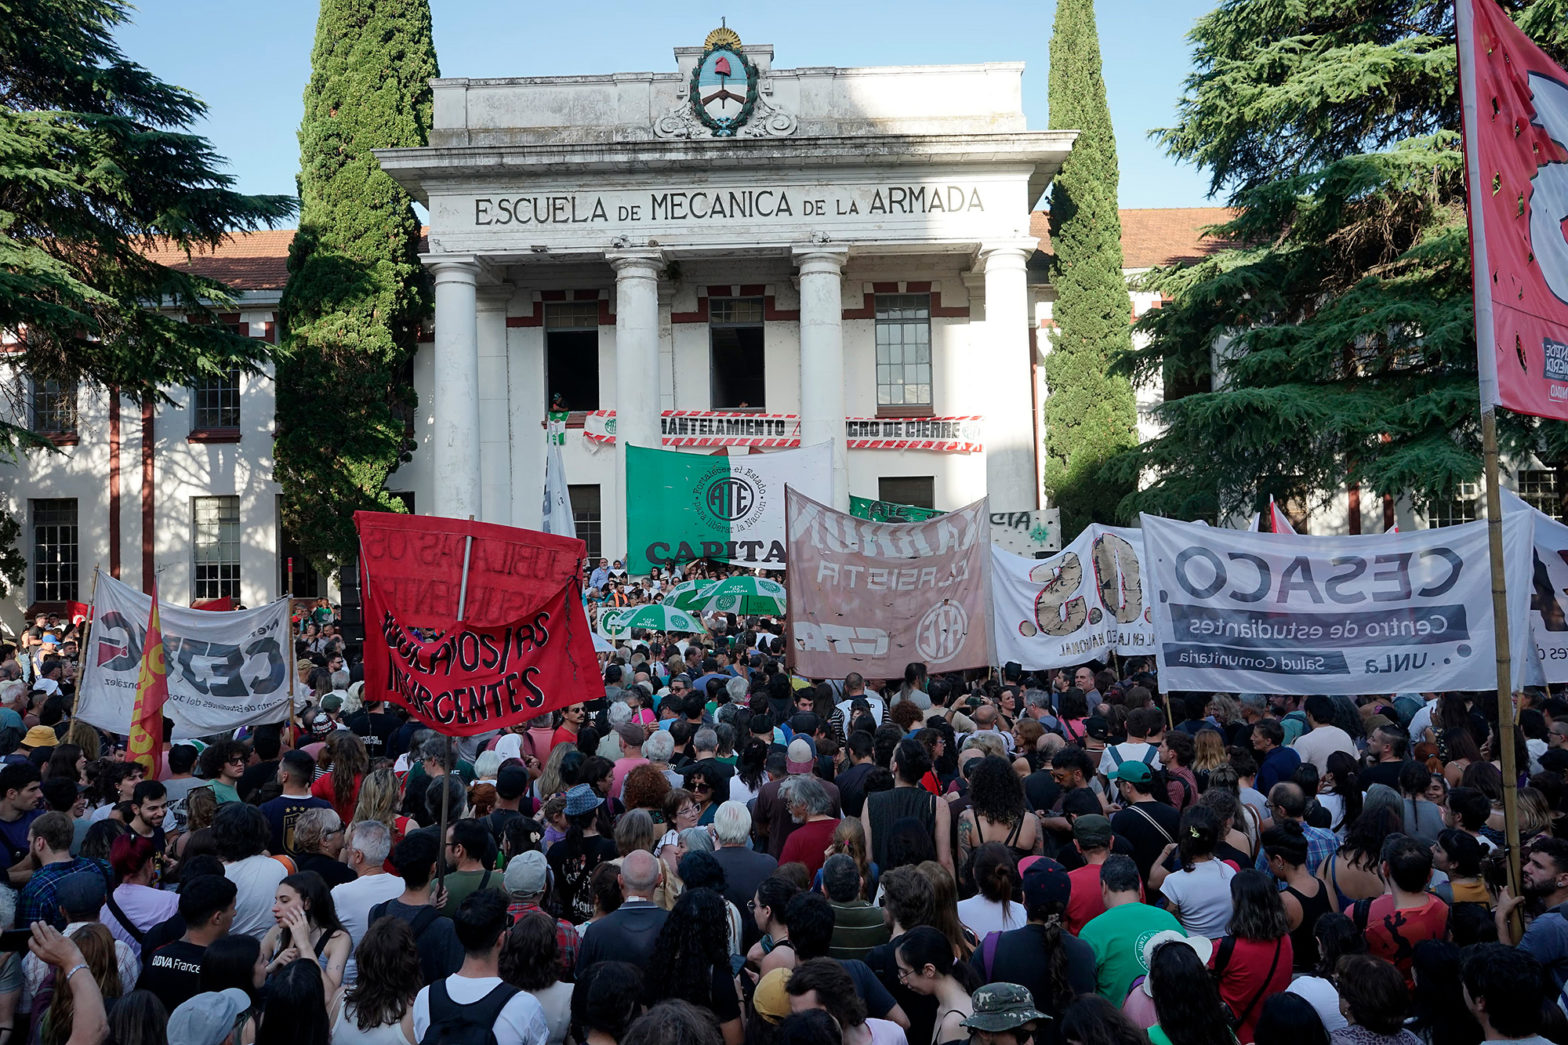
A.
pixel 731 255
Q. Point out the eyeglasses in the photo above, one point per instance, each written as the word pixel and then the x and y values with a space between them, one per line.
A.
pixel 904 974
pixel 238 761
pixel 690 810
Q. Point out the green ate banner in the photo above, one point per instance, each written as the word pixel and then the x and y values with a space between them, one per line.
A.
pixel 888 511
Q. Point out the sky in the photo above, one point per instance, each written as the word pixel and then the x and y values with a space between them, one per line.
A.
pixel 249 60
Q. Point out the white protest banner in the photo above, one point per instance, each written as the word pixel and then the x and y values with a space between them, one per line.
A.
pixel 1385 613
pixel 1548 589
pixel 225 669
pixel 1076 606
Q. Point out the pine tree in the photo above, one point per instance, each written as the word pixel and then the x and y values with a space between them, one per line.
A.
pixel 100 166
pixel 356 293
pixel 1332 341
pixel 1090 413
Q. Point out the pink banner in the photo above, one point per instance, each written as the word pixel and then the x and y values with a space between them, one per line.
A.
pixel 872 597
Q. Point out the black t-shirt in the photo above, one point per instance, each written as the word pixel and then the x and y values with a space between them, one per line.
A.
pixel 162 934
pixel 572 875
pixel 851 785
pixel 173 973
pixel 257 777
pixel 920 1008
pixel 1041 790
pixel 374 728
pixel 1147 839
pixel 1380 773
pixel 333 872
pixel 1020 957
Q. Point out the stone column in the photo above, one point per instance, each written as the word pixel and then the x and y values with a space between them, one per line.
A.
pixel 822 359
pixel 636 374
pixel 495 442
pixel 1004 358
pixel 455 476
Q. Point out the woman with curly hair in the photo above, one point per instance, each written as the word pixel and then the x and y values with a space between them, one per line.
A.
pixel 348 760
pixel 691 961
pixel 531 960
pixel 998 812
pixel 560 771
pixel 644 789
pixel 1352 872
pixel 379 1008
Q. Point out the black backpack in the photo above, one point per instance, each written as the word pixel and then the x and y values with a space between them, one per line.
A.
pixel 472 1024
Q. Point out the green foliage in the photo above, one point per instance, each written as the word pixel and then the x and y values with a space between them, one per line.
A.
pixel 357 292
pixel 1333 336
pixel 96 165
pixel 1090 413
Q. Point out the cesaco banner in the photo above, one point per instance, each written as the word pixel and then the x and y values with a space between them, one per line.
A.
pixel 225 670
pixel 473 626
pixel 1079 605
pixel 872 597
pixel 731 509
pixel 1392 612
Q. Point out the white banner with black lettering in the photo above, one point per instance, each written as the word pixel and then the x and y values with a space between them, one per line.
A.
pixel 1548 589
pixel 1386 613
pixel 225 669
pixel 1078 605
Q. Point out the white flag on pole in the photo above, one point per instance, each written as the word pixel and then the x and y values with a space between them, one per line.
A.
pixel 557 500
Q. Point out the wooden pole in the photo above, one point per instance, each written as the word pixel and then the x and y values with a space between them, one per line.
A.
pixel 448 762
pixel 1505 697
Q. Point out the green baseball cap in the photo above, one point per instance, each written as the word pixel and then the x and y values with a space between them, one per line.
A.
pixel 1003 1006
pixel 1133 771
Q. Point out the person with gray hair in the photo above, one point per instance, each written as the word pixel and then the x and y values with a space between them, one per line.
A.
pixel 368 846
pixel 705 742
pixel 318 842
pixel 628 933
pixel 744 867
pixel 811 807
pixel 658 749
pixel 737 688
pixel 857 925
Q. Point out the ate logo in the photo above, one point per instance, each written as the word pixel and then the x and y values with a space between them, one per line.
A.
pixel 1549 187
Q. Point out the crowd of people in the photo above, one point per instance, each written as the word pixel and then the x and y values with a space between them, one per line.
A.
pixel 718 851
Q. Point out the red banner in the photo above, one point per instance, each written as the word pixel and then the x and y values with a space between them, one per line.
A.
pixel 1515 103
pixel 523 645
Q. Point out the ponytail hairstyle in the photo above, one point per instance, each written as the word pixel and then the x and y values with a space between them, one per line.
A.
pixel 924 945
pixel 1288 841
pixel 1197 836
pixel 1049 916
pixel 996 875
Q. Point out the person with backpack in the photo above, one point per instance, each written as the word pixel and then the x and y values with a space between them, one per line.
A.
pixel 440 953
pixel 474 1006
pixel 1145 731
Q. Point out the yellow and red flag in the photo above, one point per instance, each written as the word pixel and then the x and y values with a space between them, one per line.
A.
pixel 152 689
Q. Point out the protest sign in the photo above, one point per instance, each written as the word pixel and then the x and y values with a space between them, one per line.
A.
pixel 1079 605
pixel 1548 589
pixel 1386 613
pixel 730 509
pixel 522 645
pixel 888 511
pixel 224 670
pixel 1028 533
pixel 872 597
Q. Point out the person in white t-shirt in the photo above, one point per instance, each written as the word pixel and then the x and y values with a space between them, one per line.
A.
pixel 1198 887
pixel 1324 738
pixel 369 843
pixel 476 990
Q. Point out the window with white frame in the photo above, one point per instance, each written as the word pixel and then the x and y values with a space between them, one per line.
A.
pixel 1464 507
pixel 55 550
pixel 903 350
pixel 217 401
pixel 215 547
pixel 1537 487
pixel 53 406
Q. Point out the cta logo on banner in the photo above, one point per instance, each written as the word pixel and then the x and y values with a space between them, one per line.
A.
pixel 224 670
pixel 871 597
pixel 1079 605
pixel 522 645
pixel 730 509
pixel 1244 612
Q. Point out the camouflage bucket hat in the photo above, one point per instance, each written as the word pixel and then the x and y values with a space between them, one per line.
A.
pixel 1003 1006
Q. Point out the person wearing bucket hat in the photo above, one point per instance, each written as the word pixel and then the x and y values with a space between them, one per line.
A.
pixel 207 1019
pixel 771 999
pixel 1004 1015
pixel 40 736
pixel 582 798
pixel 574 858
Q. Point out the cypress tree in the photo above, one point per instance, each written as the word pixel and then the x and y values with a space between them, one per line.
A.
pixel 1331 340
pixel 1090 413
pixel 356 293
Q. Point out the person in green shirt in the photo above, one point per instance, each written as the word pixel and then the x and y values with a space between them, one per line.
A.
pixel 1117 936
pixel 223 764
pixel 468 848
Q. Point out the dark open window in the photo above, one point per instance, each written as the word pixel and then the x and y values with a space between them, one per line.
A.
pixel 916 490
pixel 571 353
pixel 737 358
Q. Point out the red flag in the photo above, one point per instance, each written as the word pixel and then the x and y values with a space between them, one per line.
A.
pixel 1515 105
pixel 152 689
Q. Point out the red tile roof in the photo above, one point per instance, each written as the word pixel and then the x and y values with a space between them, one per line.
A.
pixel 1155 236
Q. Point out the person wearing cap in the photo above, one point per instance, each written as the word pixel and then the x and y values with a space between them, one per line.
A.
pixel 527 881
pixel 366 849
pixel 1149 825
pixel 208 1018
pixel 79 898
pixel 1040 953
pixel 574 858
pixel 1004 1014
pixel 1114 936
pixel 770 1001
pixel 1092 838
pixel 771 816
